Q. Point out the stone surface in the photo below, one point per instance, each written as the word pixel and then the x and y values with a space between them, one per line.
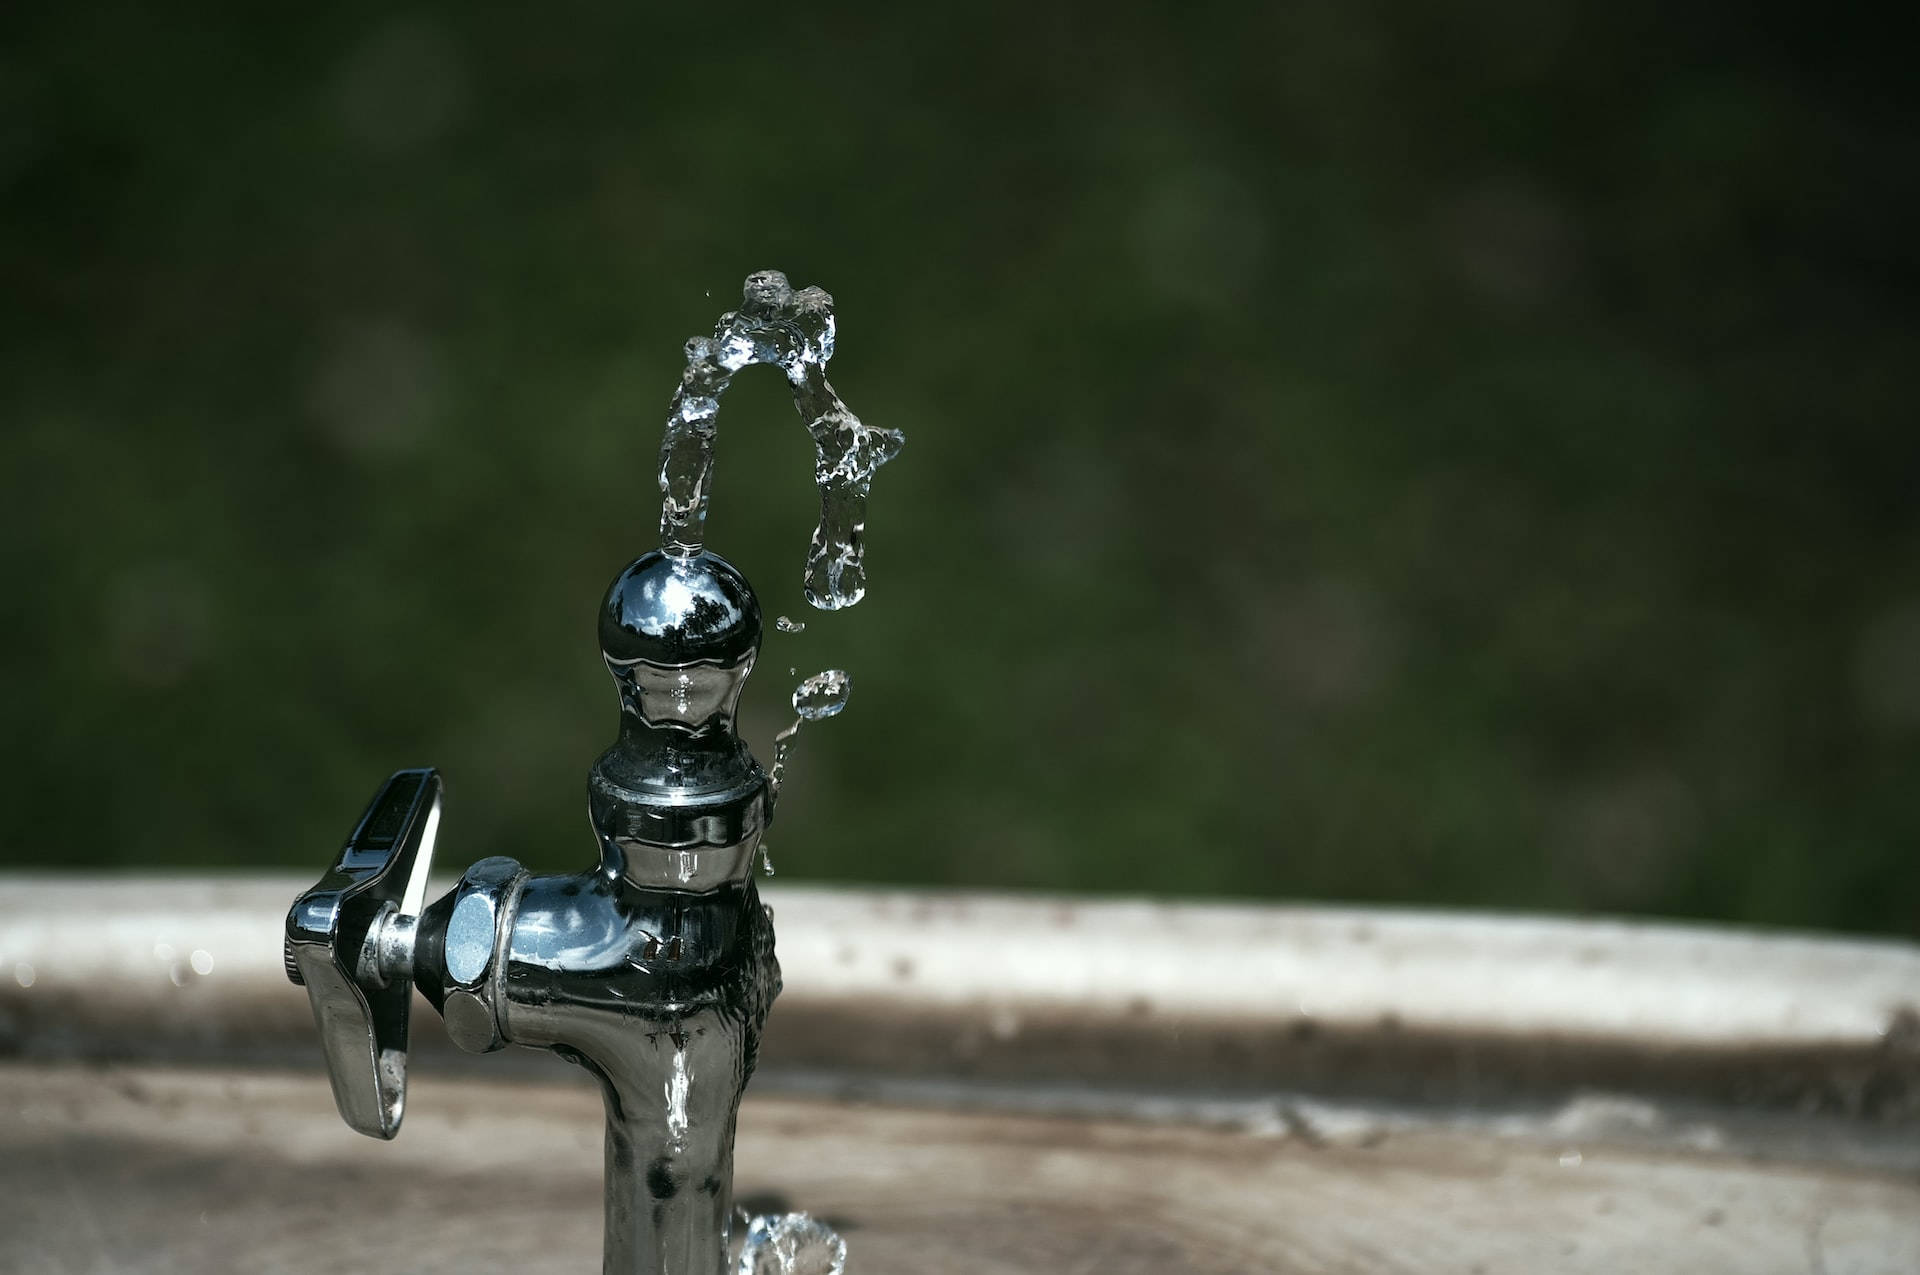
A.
pixel 224 1172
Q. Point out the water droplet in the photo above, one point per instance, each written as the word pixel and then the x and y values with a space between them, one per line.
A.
pixel 785 625
pixel 202 961
pixel 823 695
pixel 766 860
pixel 791 1244
pixel 24 974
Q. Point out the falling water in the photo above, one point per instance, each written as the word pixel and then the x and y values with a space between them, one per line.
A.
pixel 795 332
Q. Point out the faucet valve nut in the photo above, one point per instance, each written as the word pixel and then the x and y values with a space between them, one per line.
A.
pixel 484 905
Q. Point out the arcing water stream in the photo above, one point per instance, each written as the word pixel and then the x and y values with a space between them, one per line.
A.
pixel 795 332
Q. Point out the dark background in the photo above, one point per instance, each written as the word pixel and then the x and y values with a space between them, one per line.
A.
pixel 1454 454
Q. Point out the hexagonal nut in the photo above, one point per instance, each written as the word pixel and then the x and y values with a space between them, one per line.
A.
pixel 482 914
pixel 471 1023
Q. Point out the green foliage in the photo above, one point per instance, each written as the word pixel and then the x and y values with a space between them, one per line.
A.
pixel 1403 452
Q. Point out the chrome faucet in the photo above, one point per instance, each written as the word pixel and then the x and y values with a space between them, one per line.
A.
pixel 653 970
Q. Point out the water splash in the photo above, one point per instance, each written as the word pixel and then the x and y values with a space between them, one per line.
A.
pixel 795 332
pixel 791 1244
pixel 821 696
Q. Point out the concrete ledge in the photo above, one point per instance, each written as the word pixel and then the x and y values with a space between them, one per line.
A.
pixel 1173 998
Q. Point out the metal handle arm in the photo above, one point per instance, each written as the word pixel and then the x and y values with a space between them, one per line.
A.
pixel 350 943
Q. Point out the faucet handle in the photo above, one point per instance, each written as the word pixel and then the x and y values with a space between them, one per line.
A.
pixel 350 943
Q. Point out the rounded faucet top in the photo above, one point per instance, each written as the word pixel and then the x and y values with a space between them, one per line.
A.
pixel 670 610
pixel 679 633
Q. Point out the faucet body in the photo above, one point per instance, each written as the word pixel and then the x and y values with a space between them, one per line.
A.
pixel 660 994
pixel 653 969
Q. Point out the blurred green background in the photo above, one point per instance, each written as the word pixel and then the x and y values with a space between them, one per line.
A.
pixel 1455 455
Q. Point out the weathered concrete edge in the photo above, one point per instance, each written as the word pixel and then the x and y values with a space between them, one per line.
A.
pixel 1233 999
